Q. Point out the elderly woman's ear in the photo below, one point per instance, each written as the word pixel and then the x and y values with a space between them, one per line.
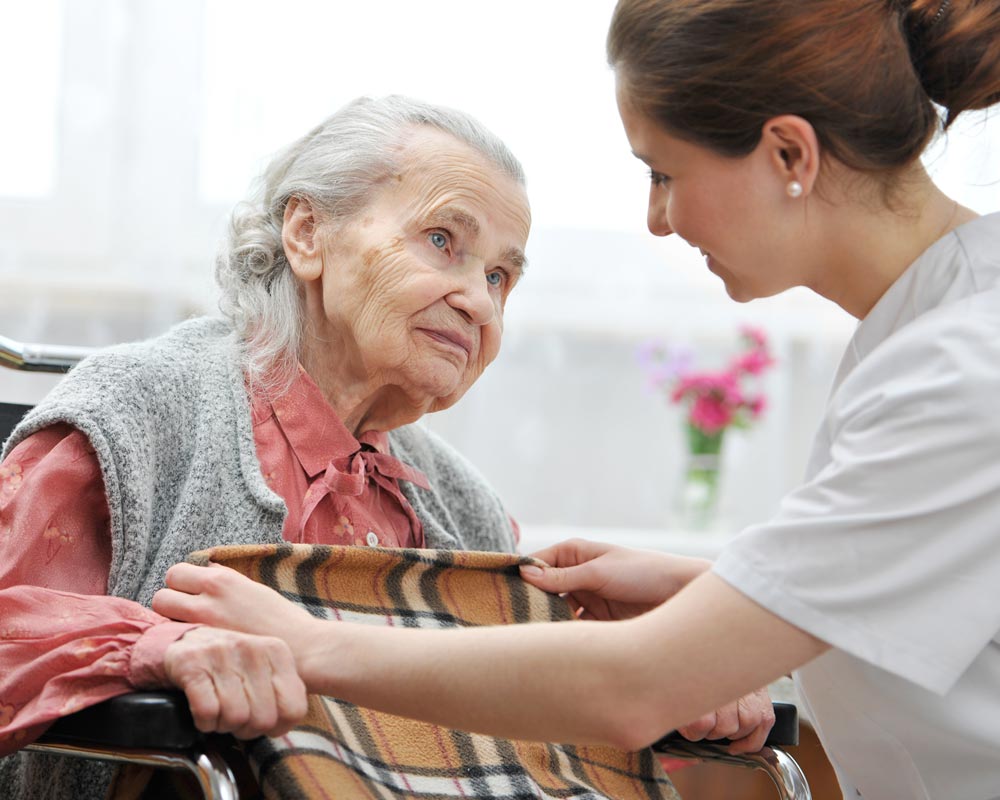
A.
pixel 303 247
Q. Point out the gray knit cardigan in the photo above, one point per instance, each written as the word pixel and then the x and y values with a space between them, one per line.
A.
pixel 169 420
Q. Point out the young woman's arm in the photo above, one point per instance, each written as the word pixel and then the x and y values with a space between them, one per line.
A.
pixel 623 683
pixel 606 581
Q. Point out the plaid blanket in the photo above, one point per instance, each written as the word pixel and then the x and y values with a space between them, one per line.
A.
pixel 343 751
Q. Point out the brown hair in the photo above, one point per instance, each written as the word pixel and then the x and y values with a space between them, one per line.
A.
pixel 863 73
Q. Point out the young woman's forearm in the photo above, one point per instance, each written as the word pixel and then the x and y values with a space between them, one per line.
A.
pixel 438 676
pixel 690 567
pixel 622 683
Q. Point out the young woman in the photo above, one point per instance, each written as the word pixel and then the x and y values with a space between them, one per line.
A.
pixel 784 140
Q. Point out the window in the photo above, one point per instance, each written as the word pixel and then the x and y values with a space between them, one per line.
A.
pixel 139 125
pixel 30 61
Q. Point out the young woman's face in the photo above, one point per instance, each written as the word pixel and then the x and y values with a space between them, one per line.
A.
pixel 729 208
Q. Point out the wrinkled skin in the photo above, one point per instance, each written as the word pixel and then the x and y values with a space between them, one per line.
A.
pixel 237 683
pixel 405 300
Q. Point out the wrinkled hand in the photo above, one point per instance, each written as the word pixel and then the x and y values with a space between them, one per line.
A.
pixel 223 598
pixel 606 582
pixel 746 722
pixel 237 683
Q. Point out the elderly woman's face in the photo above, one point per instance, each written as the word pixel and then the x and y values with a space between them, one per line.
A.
pixel 414 287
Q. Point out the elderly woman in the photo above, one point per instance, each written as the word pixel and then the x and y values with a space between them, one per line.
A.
pixel 364 287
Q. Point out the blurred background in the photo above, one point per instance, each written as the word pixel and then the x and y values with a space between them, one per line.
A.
pixel 131 127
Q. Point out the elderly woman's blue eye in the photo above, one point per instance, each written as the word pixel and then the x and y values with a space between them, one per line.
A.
pixel 494 278
pixel 439 240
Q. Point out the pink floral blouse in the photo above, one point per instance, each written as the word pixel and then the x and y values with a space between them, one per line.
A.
pixel 64 644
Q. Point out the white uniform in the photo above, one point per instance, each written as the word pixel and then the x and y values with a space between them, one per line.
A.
pixel 890 551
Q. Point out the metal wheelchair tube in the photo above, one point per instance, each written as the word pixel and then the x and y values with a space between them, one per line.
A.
pixel 791 777
pixel 40 357
pixel 210 770
pixel 214 776
pixel 780 767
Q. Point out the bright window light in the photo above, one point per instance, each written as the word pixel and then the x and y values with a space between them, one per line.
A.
pixel 965 163
pixel 272 71
pixel 30 61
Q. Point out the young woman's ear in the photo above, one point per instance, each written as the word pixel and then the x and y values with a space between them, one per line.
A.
pixel 301 241
pixel 793 151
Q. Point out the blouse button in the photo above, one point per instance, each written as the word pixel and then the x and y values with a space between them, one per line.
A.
pixel 372 539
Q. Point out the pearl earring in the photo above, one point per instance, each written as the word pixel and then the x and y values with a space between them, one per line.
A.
pixel 794 189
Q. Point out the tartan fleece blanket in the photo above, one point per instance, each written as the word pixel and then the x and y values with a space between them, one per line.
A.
pixel 344 751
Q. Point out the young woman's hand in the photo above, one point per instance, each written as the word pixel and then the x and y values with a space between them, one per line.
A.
pixel 237 683
pixel 223 598
pixel 606 582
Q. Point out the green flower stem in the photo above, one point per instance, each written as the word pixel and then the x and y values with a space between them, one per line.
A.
pixel 699 492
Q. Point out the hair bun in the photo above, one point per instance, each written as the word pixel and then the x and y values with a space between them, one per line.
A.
pixel 955 49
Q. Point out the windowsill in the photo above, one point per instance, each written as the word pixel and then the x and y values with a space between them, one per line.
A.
pixel 703 544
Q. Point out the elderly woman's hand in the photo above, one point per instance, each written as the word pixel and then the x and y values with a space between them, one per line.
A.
pixel 746 722
pixel 237 683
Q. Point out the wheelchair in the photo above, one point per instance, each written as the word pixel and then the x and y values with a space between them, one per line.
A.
pixel 155 729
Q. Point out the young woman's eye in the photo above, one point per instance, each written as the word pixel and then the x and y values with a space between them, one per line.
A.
pixel 439 240
pixel 658 178
pixel 495 278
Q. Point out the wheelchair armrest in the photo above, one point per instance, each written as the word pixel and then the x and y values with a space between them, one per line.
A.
pixel 785 732
pixel 141 720
pixel 162 720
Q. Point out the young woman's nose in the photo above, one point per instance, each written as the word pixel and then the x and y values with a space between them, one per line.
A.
pixel 656 214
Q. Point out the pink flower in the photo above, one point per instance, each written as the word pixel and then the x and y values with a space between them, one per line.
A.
pixel 757 405
pixel 753 362
pixel 724 385
pixel 755 336
pixel 714 400
pixel 710 414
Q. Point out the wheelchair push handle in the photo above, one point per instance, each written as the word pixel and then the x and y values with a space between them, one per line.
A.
pixel 40 357
pixel 785 732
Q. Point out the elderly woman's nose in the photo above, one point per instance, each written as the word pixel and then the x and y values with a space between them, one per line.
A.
pixel 474 298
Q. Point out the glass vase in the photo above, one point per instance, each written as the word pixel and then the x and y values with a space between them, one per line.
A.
pixel 696 502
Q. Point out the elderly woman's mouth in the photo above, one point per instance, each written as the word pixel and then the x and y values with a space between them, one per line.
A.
pixel 453 340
